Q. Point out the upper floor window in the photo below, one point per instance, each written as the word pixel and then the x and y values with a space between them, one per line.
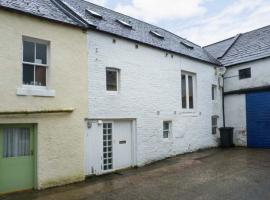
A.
pixel 244 73
pixel 112 79
pixel 188 90
pixel 35 62
pixel 214 92
pixel 167 129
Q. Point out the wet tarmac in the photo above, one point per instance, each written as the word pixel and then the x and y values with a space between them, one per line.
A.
pixel 216 174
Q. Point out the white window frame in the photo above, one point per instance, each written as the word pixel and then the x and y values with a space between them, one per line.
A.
pixel 117 79
pixel 194 82
pixel 36 90
pixel 167 130
pixel 47 66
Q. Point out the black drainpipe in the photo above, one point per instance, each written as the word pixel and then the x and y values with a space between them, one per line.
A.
pixel 223 103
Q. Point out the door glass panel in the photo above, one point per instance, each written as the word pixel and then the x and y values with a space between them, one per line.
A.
pixel 16 142
pixel 107 146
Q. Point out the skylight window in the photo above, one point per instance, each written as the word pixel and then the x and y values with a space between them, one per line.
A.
pixel 126 24
pixel 187 45
pixel 93 13
pixel 155 33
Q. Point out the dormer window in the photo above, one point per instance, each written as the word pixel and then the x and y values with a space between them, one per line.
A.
pixel 126 24
pixel 187 45
pixel 157 34
pixel 95 14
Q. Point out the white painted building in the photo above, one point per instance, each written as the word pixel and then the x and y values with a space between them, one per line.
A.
pixel 149 94
pixel 247 85
pixel 152 94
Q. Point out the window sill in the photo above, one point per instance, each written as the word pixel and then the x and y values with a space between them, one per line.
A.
pixel 112 92
pixel 35 91
pixel 190 113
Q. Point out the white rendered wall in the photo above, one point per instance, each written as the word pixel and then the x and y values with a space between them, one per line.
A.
pixel 150 83
pixel 235 113
pixel 260 74
pixel 235 105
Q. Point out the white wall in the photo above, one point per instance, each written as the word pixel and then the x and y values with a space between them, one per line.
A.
pixel 260 74
pixel 235 113
pixel 235 105
pixel 150 82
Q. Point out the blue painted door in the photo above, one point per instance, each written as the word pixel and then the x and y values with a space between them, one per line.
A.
pixel 258 119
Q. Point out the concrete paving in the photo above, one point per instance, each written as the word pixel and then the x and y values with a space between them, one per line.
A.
pixel 215 174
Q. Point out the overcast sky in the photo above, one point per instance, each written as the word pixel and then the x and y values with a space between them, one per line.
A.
pixel 200 21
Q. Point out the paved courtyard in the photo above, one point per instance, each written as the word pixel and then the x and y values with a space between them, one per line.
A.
pixel 207 175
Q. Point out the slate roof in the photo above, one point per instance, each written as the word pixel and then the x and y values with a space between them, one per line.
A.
pixel 246 47
pixel 74 12
pixel 139 32
pixel 48 9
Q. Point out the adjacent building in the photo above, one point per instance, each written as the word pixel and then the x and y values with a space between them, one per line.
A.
pixel 247 84
pixel 43 84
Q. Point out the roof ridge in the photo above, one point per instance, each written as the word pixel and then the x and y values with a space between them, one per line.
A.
pixel 69 12
pixel 235 39
pixel 219 42
pixel 236 35
pixel 142 22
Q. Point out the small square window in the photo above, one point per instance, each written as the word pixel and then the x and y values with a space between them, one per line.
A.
pixel 244 73
pixel 167 128
pixel 214 92
pixel 112 79
pixel 214 124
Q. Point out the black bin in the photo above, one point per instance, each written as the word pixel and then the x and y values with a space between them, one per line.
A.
pixel 226 137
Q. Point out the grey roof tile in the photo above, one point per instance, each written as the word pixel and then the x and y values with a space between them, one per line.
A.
pixel 140 31
pixel 40 8
pixel 74 12
pixel 248 47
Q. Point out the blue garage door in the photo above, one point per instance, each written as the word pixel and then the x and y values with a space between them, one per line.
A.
pixel 258 120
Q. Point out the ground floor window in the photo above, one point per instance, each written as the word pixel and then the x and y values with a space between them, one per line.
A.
pixel 167 128
pixel 214 124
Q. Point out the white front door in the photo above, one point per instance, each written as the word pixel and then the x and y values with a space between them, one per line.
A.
pixel 122 145
pixel 108 147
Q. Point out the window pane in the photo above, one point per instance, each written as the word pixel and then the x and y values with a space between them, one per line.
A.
pixel 16 142
pixel 184 92
pixel 28 51
pixel 166 126
pixel 111 78
pixel 165 134
pixel 213 92
pixel 190 87
pixel 40 76
pixel 28 74
pixel 244 73
pixel 41 54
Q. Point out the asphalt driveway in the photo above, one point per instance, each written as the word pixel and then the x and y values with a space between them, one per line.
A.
pixel 207 175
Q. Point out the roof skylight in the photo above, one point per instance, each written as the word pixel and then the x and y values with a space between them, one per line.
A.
pixel 93 13
pixel 155 33
pixel 187 45
pixel 126 24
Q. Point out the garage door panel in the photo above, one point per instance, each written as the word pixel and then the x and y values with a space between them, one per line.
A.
pixel 258 119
